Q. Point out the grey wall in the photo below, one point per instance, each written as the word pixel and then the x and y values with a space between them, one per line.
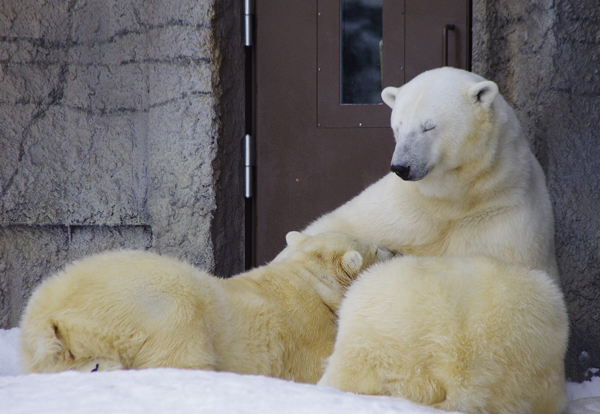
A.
pixel 120 126
pixel 545 56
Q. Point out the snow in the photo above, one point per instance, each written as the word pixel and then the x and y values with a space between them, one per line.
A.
pixel 9 352
pixel 174 391
pixel 584 390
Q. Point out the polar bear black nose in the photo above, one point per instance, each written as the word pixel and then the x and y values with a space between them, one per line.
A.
pixel 402 171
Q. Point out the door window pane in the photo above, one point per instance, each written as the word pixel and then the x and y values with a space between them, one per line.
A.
pixel 360 49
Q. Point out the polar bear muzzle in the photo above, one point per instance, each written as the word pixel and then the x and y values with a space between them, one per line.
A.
pixel 412 158
pixel 402 171
pixel 407 173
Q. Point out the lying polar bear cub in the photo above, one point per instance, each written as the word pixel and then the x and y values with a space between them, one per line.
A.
pixel 136 309
pixel 468 334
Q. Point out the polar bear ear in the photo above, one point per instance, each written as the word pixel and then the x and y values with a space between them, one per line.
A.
pixel 352 262
pixel 295 239
pixel 389 95
pixel 483 93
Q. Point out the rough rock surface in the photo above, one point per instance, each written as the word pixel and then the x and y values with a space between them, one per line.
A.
pixel 111 118
pixel 545 56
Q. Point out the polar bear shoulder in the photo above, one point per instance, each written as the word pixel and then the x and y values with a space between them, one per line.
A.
pixel 470 334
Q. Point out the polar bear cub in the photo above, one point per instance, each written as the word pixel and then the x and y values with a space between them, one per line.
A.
pixel 136 309
pixel 469 334
pixel 464 179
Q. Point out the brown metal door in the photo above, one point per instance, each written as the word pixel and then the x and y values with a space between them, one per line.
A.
pixel 318 145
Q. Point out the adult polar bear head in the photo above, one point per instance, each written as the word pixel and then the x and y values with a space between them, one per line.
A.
pixel 447 120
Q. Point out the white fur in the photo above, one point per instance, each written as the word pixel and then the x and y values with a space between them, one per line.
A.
pixel 470 334
pixel 135 309
pixel 475 187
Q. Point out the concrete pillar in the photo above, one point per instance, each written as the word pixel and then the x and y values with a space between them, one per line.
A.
pixel 121 123
pixel 545 56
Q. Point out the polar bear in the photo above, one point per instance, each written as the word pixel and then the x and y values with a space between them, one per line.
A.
pixel 469 334
pixel 464 179
pixel 136 309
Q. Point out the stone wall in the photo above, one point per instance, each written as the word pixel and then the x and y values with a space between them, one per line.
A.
pixel 116 131
pixel 545 56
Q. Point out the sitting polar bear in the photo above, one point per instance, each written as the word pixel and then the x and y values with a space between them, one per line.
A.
pixel 465 181
pixel 136 309
pixel 469 334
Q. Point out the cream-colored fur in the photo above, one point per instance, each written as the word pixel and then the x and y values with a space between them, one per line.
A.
pixel 135 309
pixel 474 186
pixel 470 334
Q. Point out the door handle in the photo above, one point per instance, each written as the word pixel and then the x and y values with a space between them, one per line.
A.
pixel 445 42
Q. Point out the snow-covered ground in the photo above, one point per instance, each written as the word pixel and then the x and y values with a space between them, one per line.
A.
pixel 176 391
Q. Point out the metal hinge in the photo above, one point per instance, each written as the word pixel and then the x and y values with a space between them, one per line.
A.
pixel 249 164
pixel 248 22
